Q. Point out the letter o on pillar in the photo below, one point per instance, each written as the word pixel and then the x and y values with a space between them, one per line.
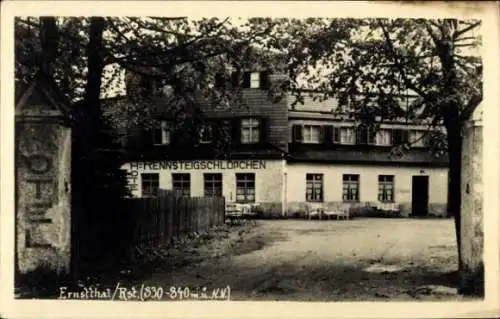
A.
pixel 38 164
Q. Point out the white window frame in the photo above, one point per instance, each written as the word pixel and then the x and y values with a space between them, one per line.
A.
pixel 307 134
pixel 252 126
pixel 343 135
pixel 255 80
pixel 384 140
pixel 416 138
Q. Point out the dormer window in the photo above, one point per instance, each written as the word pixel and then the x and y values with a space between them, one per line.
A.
pixel 254 80
pixel 250 131
pixel 162 133
pixel 206 134
pixel 311 134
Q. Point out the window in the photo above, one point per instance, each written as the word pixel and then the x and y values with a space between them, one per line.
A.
pixel 310 133
pixel 245 187
pixel 150 184
pixel 417 138
pixel 314 187
pixel 181 184
pixel 347 135
pixel 161 133
pixel 206 134
pixel 254 80
pixel 386 188
pixel 250 131
pixel 384 137
pixel 213 184
pixel 364 135
pixel 350 187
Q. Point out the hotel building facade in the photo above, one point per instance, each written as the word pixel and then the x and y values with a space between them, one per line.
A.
pixel 288 159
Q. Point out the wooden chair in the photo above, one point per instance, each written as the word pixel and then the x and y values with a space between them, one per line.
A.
pixel 315 210
pixel 344 212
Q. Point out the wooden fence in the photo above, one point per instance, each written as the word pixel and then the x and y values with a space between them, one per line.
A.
pixel 163 218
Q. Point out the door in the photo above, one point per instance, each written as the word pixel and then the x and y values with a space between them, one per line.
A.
pixel 420 196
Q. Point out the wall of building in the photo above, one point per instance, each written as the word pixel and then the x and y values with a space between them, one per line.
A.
pixel 332 174
pixel 269 183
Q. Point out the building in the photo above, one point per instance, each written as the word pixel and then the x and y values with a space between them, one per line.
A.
pixel 288 159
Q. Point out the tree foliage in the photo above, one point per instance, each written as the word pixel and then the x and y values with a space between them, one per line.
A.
pixel 434 61
pixel 181 53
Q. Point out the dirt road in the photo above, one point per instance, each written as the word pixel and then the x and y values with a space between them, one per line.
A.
pixel 364 259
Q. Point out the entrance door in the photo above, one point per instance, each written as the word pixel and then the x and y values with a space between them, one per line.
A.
pixel 420 195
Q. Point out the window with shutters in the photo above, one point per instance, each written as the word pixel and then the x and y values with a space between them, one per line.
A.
pixel 162 132
pixel 150 183
pixel 350 187
pixel 245 187
pixel 386 188
pixel 311 134
pixel 250 131
pixel 384 137
pixel 347 135
pixel 212 184
pixel 314 187
pixel 181 184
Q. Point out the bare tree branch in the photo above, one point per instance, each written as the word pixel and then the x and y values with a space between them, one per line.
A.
pixel 466 29
pixel 111 23
pixel 433 36
pixel 392 50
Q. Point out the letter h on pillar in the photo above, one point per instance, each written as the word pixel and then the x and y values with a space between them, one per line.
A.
pixel 43 170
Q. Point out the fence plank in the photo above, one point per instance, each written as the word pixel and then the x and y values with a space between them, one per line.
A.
pixel 168 216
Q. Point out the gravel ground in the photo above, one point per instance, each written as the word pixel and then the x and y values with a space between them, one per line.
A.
pixel 302 260
pixel 361 259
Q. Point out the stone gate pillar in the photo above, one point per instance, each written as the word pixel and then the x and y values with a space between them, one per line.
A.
pixel 471 210
pixel 42 172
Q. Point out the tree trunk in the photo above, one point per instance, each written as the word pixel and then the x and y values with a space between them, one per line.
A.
pixel 49 40
pixel 95 66
pixel 454 140
pixel 84 147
